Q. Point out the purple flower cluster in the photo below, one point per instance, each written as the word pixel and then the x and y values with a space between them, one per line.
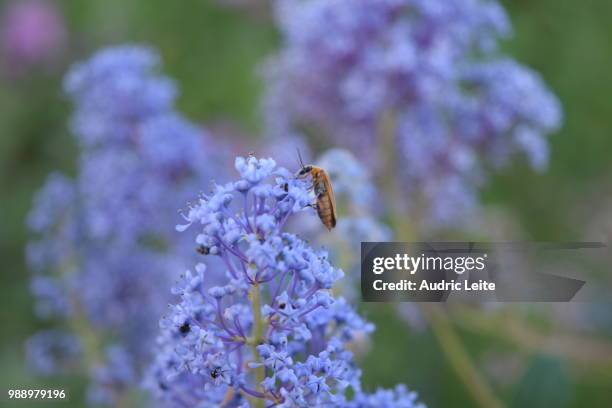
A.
pixel 106 247
pixel 271 333
pixel 421 78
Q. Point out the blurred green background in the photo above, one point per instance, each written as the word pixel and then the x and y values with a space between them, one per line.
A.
pixel 213 52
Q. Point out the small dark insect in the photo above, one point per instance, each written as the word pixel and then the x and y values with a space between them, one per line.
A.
pixel 185 328
pixel 216 372
pixel 326 202
pixel 203 250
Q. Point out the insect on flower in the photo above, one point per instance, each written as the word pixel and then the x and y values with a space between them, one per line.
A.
pixel 326 202
pixel 270 331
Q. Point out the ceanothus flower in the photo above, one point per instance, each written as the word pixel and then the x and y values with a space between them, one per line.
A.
pixel 105 247
pixel 415 86
pixel 271 333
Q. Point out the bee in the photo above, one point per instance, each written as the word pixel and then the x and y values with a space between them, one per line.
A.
pixel 321 184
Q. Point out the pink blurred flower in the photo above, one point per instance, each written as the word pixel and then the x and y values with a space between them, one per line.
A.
pixel 32 32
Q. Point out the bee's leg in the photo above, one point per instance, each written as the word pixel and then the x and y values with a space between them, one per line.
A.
pixel 314 206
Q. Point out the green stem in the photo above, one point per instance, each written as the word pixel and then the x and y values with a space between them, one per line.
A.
pixel 404 229
pixel 460 361
pixel 92 348
pixel 89 339
pixel 258 328
pixel 582 350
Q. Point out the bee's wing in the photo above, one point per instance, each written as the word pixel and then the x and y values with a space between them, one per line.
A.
pixel 330 193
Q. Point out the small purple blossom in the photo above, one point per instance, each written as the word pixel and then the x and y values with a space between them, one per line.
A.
pixel 271 333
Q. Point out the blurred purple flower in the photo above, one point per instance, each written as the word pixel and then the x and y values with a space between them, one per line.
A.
pixel 32 33
pixel 105 247
pixel 421 80
pixel 116 374
pixel 52 352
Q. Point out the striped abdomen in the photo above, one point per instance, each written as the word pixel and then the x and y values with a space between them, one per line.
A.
pixel 326 203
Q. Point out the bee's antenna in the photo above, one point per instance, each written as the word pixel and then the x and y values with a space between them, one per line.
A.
pixel 300 157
